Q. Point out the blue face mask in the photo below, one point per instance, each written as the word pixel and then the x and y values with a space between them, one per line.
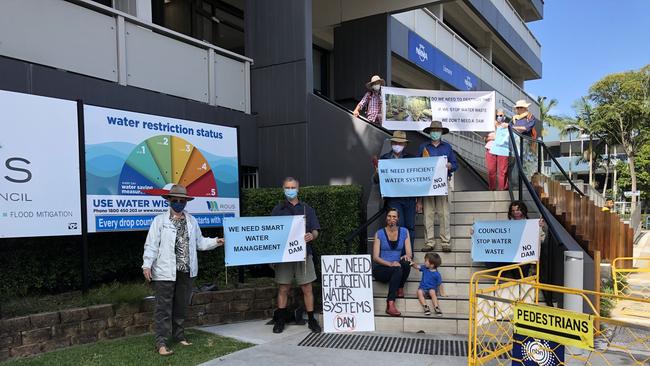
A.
pixel 177 206
pixel 291 193
pixel 435 135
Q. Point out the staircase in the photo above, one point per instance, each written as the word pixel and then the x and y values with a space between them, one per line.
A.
pixel 456 270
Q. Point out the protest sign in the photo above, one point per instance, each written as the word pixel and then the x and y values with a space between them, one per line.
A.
pixel 414 109
pixel 511 241
pixel 501 144
pixel 347 293
pixel 267 239
pixel 413 177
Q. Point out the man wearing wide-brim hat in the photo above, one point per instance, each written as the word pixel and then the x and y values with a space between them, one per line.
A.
pixel 372 99
pixel 170 263
pixel 432 205
pixel 523 121
pixel 405 206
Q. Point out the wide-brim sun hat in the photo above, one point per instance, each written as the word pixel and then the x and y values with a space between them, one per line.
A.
pixel 399 136
pixel 177 191
pixel 375 79
pixel 436 125
pixel 522 104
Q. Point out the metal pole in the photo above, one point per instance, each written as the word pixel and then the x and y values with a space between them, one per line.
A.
pixel 521 171
pixel 539 158
pixel 573 278
pixel 85 280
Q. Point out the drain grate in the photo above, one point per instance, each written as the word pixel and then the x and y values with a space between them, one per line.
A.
pixel 360 342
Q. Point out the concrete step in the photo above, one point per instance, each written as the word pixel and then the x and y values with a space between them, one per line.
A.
pixel 457 257
pixel 416 321
pixel 467 218
pixel 452 288
pixel 450 272
pixel 479 207
pixel 457 305
pixel 457 243
pixel 479 196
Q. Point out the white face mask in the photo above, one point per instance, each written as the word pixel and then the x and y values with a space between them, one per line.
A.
pixel 376 87
pixel 397 148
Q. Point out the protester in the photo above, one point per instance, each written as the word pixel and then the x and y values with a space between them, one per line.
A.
pixel 372 100
pixel 496 157
pixel 390 266
pixel 524 122
pixel 405 206
pixel 302 272
pixel 170 262
pixel 433 205
pixel 430 283
pixel 517 210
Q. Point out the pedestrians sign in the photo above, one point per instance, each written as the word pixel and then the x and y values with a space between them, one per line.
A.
pixel 564 327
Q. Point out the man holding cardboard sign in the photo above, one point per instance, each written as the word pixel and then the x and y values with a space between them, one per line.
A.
pixel 302 272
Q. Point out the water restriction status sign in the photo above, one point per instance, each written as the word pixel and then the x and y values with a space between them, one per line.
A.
pixel 558 325
pixel 347 293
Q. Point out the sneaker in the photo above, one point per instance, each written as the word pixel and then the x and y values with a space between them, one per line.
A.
pixel 438 311
pixel 446 247
pixel 313 325
pixel 427 310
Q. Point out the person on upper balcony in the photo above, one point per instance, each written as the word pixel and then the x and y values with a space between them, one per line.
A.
pixel 524 121
pixel 372 100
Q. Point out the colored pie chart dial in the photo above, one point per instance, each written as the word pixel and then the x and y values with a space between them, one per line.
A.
pixel 163 160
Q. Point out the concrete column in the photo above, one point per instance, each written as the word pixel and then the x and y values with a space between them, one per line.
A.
pixel 485 48
pixel 143 10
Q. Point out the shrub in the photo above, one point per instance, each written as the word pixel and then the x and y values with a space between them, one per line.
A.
pixel 53 264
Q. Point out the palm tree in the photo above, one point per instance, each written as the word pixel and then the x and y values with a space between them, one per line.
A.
pixel 585 121
pixel 545 112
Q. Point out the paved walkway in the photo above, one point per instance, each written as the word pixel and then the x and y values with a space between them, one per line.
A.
pixel 283 349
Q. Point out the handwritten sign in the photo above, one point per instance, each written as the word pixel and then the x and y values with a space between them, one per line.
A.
pixel 511 241
pixel 347 293
pixel 414 177
pixel 267 239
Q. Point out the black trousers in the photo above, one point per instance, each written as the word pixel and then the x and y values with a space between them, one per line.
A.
pixel 395 277
pixel 172 298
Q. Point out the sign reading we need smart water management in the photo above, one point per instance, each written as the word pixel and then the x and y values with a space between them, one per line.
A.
pixel 266 239
pixel 39 167
pixel 128 154
pixel 348 304
pixel 511 241
pixel 413 177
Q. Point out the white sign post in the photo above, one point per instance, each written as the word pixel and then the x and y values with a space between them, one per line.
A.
pixel 39 167
pixel 347 293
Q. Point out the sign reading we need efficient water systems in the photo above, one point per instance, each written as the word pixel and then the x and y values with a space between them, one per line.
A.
pixel 413 177
pixel 39 167
pixel 506 241
pixel 265 239
pixel 130 155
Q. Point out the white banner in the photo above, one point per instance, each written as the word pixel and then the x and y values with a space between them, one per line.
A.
pixel 132 157
pixel 414 177
pixel 347 293
pixel 414 109
pixel 39 167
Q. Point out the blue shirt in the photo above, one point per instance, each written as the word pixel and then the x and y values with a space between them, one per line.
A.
pixel 443 149
pixel 285 208
pixel 431 278
pixel 385 251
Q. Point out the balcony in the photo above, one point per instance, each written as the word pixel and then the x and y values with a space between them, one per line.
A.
pixel 87 38
pixel 427 26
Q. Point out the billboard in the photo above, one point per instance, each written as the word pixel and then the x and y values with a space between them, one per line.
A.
pixel 131 157
pixel 39 167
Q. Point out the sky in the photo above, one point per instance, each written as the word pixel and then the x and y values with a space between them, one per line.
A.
pixel 585 40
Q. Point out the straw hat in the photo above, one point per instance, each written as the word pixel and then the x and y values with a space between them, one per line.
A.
pixel 522 104
pixel 177 191
pixel 436 125
pixel 399 136
pixel 375 79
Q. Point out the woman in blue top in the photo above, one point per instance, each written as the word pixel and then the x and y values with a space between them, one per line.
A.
pixel 390 265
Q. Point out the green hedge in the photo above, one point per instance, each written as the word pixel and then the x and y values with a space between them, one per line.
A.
pixel 53 264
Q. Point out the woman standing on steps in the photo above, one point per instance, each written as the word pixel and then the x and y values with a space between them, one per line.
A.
pixel 390 266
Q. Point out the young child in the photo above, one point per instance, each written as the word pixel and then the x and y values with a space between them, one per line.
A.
pixel 431 282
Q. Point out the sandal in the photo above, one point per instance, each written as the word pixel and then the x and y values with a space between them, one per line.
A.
pixel 185 343
pixel 164 351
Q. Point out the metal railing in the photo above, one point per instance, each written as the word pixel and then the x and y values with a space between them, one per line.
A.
pixel 511 15
pixel 108 44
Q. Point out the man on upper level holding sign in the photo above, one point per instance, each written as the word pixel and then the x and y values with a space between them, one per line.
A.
pixel 303 272
pixel 437 204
